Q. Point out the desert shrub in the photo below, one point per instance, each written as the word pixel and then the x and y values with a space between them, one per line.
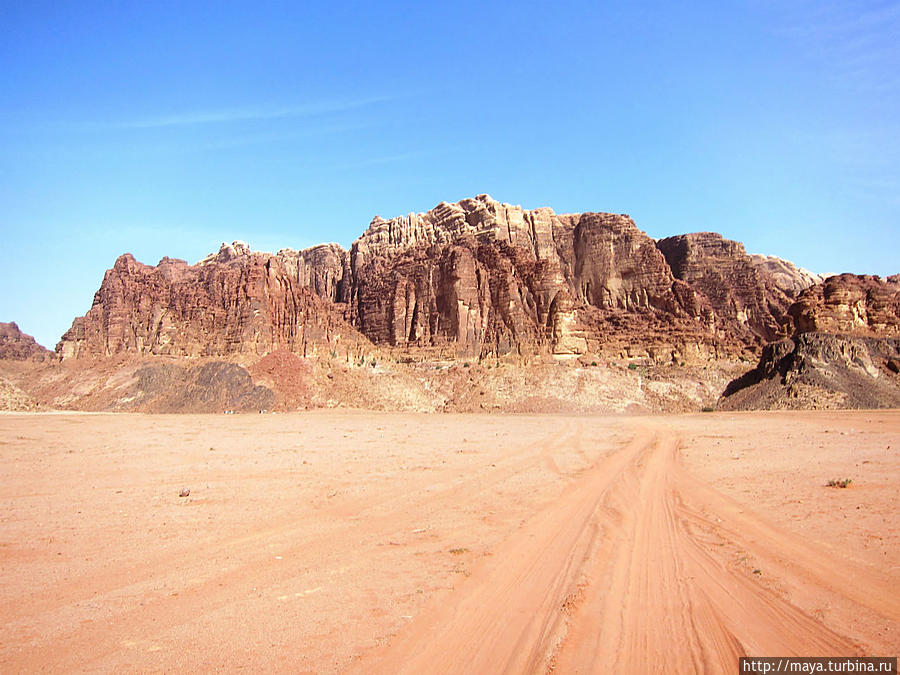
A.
pixel 839 482
pixel 632 366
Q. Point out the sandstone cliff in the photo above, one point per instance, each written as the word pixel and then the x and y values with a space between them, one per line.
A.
pixel 844 352
pixel 492 278
pixel 640 324
pixel 740 290
pixel 850 304
pixel 325 268
pixel 234 303
pixel 14 344
pixel 475 278
pixel 785 274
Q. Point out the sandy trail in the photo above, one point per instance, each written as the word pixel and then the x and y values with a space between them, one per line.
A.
pixel 454 544
pixel 506 617
pixel 658 596
pixel 616 577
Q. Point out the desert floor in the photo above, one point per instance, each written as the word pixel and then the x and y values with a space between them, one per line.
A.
pixel 369 542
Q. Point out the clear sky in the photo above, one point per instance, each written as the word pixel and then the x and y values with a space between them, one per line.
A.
pixel 164 128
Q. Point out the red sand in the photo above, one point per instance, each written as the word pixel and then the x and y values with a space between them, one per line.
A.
pixel 369 542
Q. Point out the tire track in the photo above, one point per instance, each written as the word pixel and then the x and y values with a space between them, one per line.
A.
pixel 508 616
pixel 657 597
pixel 249 559
pixel 613 577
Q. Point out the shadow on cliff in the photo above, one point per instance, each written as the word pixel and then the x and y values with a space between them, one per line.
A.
pixel 819 370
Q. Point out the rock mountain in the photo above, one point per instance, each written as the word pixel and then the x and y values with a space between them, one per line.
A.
pixel 844 351
pixel 16 345
pixel 471 306
pixel 476 278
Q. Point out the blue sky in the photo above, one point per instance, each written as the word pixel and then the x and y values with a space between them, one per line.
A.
pixel 163 128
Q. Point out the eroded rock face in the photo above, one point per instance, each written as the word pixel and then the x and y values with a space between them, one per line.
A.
pixel 481 218
pixel 16 345
pixel 850 304
pixel 236 302
pixel 844 351
pixel 324 268
pixel 617 266
pixel 738 289
pixel 815 370
pixel 474 278
pixel 494 278
pixel 786 276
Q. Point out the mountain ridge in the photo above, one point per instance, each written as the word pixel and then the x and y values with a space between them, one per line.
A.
pixel 474 305
pixel 478 276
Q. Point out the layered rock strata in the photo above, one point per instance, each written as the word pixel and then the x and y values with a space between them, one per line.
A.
pixel 784 274
pixel 235 303
pixel 740 290
pixel 493 278
pixel 816 370
pixel 16 345
pixel 850 304
pixel 475 278
pixel 844 352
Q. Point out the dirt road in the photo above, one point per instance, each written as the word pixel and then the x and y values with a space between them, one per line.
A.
pixel 329 542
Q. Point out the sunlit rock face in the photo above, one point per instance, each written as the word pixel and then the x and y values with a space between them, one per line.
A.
pixel 850 304
pixel 236 302
pixel 473 278
pixel 18 346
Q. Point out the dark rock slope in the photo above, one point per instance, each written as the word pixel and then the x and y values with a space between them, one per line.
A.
pixel 844 353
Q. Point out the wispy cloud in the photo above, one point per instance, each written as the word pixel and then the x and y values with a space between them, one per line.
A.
pixel 858 43
pixel 279 137
pixel 251 113
pixel 386 159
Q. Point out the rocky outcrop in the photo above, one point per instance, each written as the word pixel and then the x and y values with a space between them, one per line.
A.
pixel 478 274
pixel 206 388
pixel 820 370
pixel 614 265
pixel 474 278
pixel 844 352
pixel 13 399
pixel 234 303
pixel 16 345
pixel 325 268
pixel 740 290
pixel 481 297
pixel 481 218
pixel 851 305
pixel 784 274
pixel 493 278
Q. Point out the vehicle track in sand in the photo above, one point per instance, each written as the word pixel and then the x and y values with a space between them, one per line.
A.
pixel 379 544
pixel 246 561
pixel 621 575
